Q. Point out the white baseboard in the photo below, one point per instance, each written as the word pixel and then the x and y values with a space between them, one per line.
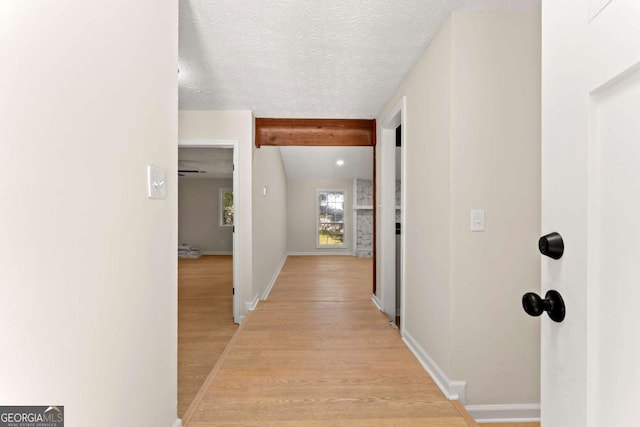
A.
pixel 178 423
pixel 376 301
pixel 453 390
pixel 216 252
pixel 516 413
pixel 319 253
pixel 266 292
pixel 251 305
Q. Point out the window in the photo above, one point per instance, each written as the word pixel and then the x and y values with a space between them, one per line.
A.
pixel 225 207
pixel 330 226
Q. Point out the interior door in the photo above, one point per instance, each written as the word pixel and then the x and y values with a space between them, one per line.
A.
pixel 591 196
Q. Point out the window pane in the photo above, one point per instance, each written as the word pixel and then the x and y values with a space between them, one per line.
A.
pixel 331 234
pixel 226 208
pixel 336 235
pixel 324 216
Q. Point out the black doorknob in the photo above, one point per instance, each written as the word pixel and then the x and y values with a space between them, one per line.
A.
pixel 551 245
pixel 553 304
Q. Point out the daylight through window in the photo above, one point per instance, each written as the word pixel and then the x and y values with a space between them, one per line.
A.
pixel 226 207
pixel 330 230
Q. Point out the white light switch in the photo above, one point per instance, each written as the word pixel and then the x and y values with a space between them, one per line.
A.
pixel 477 220
pixel 264 191
pixel 156 182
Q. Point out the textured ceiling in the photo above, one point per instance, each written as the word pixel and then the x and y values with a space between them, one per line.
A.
pixel 302 58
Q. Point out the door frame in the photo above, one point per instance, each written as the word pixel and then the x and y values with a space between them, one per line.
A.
pixel 283 132
pixel 385 297
pixel 237 205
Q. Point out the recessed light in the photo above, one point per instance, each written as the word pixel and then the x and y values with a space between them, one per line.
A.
pixel 340 162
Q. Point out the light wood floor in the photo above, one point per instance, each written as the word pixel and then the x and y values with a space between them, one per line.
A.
pixel 317 353
pixel 205 320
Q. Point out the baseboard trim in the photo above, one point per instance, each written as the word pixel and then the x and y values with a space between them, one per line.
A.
pixel 267 291
pixel 511 413
pixel 251 305
pixel 177 423
pixel 376 301
pixel 453 390
pixel 319 253
pixel 216 252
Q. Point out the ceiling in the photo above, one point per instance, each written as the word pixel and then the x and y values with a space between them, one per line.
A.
pixel 320 162
pixel 299 162
pixel 213 163
pixel 303 58
pixel 313 59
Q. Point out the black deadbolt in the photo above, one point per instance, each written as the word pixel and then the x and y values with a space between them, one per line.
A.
pixel 551 245
pixel 553 304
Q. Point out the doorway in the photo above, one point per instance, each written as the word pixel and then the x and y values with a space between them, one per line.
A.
pixel 207 264
pixel 390 246
pixel 238 197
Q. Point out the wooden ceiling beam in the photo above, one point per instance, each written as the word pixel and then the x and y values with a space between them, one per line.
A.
pixel 315 132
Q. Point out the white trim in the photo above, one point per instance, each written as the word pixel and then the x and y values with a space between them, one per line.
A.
pixel 177 423
pixel 320 253
pixel 354 218
pixel 266 292
pixel 514 413
pixel 386 208
pixel 251 305
pixel 453 390
pixel 376 301
pixel 216 252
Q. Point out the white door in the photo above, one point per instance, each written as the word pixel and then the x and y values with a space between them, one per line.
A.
pixel 591 196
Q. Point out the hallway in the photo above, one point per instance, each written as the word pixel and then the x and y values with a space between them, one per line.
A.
pixel 318 352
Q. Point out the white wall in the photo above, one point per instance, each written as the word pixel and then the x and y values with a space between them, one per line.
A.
pixel 269 217
pixel 302 215
pixel 88 312
pixel 231 126
pixel 199 215
pixel 472 142
pixel 495 165
pixel 425 230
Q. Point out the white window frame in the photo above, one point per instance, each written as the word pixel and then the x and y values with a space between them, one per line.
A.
pixel 344 220
pixel 221 191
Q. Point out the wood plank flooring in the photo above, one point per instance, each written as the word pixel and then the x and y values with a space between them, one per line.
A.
pixel 318 353
pixel 205 320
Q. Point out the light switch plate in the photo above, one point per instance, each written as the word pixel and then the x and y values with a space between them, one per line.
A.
pixel 156 182
pixel 477 220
